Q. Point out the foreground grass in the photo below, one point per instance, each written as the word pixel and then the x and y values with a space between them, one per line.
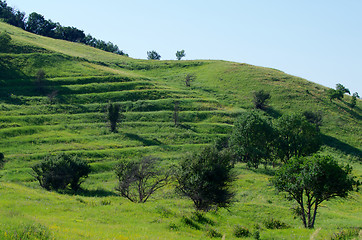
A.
pixel 101 214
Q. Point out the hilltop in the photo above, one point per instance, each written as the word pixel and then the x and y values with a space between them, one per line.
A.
pixel 66 113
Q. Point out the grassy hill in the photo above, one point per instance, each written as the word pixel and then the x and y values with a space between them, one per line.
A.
pixel 73 120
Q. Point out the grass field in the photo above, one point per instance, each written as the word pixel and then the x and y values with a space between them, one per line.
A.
pixel 83 80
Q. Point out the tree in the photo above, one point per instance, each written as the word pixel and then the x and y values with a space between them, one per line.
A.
pixel 5 40
pixel 39 25
pixel 252 139
pixel 153 55
pixel 296 137
pixel 180 54
pixel 138 180
pixel 57 172
pixel 114 115
pixel 338 93
pixel 310 181
pixel 205 177
pixel 354 99
pixel 340 87
pixel 260 99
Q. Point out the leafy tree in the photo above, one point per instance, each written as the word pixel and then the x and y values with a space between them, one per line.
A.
pixel 205 177
pixel 340 87
pixel 354 100
pixel 260 99
pixel 57 172
pixel 297 137
pixel 153 55
pixel 252 139
pixel 39 25
pixel 315 118
pixel 338 93
pixel 138 180
pixel 11 15
pixel 310 181
pixel 180 54
pixel 114 115
pixel 5 40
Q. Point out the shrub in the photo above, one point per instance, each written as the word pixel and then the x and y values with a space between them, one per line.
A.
pixel 139 180
pixel 260 99
pixel 272 223
pixel 58 172
pixel 240 231
pixel 212 233
pixel 28 232
pixel 205 177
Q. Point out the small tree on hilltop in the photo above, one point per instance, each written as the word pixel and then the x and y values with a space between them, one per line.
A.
pixel 354 100
pixel 260 99
pixel 205 177
pixel 180 54
pixel 153 55
pixel 139 180
pixel 340 87
pixel 338 93
pixel 310 181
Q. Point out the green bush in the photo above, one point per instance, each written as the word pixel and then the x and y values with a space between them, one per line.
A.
pixel 57 172
pixel 212 233
pixel 27 232
pixel 272 223
pixel 240 231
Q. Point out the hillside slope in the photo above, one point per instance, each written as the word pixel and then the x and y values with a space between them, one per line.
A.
pixel 65 112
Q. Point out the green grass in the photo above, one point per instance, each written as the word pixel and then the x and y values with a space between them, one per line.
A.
pixel 32 125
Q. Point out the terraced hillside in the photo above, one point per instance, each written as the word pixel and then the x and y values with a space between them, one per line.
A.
pixel 66 112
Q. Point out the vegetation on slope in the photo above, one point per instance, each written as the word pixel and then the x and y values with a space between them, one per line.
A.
pixel 70 116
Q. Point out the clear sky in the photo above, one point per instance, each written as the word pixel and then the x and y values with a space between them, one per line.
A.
pixel 320 40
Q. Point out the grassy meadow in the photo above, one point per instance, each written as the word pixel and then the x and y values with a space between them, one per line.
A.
pixel 66 112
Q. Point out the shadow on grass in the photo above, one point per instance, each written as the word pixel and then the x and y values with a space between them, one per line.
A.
pixel 341 146
pixel 146 142
pixel 272 112
pixel 90 193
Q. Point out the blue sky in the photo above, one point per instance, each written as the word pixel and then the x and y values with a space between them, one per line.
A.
pixel 320 40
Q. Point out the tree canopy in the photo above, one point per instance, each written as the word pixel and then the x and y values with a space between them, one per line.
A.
pixel 311 180
pixel 180 54
pixel 296 137
pixel 206 177
pixel 153 55
pixel 252 139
